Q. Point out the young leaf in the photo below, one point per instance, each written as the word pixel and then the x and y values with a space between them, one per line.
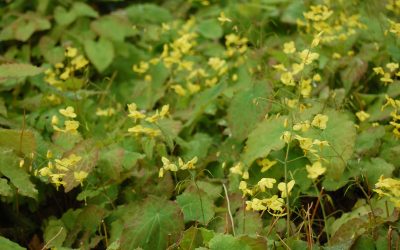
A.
pixel 154 226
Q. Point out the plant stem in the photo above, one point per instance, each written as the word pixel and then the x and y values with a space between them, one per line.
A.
pixel 229 209
pixel 323 212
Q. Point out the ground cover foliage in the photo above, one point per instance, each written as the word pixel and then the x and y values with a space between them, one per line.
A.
pixel 199 124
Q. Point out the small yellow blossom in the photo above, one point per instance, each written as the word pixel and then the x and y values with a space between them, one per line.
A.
pixel 307 57
pixel 237 169
pixel 362 115
pixel 265 164
pixel 287 79
pixel 392 66
pixel 179 89
pixel 71 126
pixel 286 188
pixel 222 18
pixel 320 121
pixel 141 68
pixel 315 170
pixel 71 52
pixel 80 176
pixel 68 112
pixel 79 62
pixel 289 47
pixel 266 183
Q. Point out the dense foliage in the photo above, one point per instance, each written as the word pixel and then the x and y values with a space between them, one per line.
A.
pixel 199 124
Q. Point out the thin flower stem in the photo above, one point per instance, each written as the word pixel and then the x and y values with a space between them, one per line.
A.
pixel 229 209
pixel 323 212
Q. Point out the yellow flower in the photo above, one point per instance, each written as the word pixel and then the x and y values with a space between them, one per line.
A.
pixel 237 169
pixel 265 164
pixel 255 204
pixel 362 115
pixel 193 88
pixel 80 176
pixel 167 165
pixel 287 79
pixel 179 89
pixel 71 52
pixel 164 111
pixel 303 126
pixel 307 56
pixel 141 68
pixel 317 77
pixel 79 62
pixel 105 112
pixel 315 170
pixel 316 40
pixel 305 143
pixel 222 18
pixel 274 203
pixel 71 126
pixel 266 183
pixel 297 68
pixel 386 78
pixel 68 112
pixel 54 120
pixel 392 66
pixel 286 188
pixel 188 165
pixel 379 70
pixel 289 47
pixel 320 121
pixel 286 136
pixel 66 74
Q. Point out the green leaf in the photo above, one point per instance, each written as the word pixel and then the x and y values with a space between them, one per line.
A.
pixel 228 242
pixel 24 26
pixel 368 141
pixel 82 9
pixel 55 233
pixel 264 138
pixel 5 189
pixel 196 206
pixel 341 135
pixel 156 224
pixel 19 141
pixel 148 13
pixel 64 17
pixel 373 168
pixel 210 29
pixel 225 242
pixel 7 244
pixel 18 70
pixel 100 53
pixel 191 239
pixel 244 112
pixel 9 167
pixel 89 153
pixel 248 222
pixel 121 27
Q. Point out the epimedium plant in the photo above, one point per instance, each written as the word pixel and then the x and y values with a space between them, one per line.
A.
pixel 199 124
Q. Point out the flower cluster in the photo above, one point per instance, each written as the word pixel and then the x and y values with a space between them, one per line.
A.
pixel 388 76
pixel 57 169
pixel 340 26
pixel 395 114
pixel 188 75
pixel 309 145
pixel 291 75
pixel 70 125
pixel 173 167
pixel 62 71
pixel 389 187
pixel 151 119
